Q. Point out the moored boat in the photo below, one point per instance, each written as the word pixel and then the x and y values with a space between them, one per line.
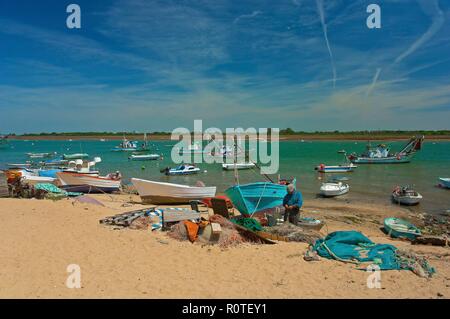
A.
pixel 322 168
pixel 382 155
pixel 85 183
pixel 229 167
pixel 399 228
pixel 184 169
pixel 41 155
pixel 406 195
pixel 332 189
pixel 170 193
pixel 75 156
pixel 143 157
pixel 445 182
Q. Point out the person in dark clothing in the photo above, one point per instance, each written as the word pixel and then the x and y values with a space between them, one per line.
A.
pixel 292 203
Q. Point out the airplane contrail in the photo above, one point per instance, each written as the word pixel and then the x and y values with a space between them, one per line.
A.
pixel 325 34
pixel 430 8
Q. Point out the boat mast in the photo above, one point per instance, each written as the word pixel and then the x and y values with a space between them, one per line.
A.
pixel 236 175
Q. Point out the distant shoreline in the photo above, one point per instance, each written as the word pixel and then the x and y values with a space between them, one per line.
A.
pixel 299 137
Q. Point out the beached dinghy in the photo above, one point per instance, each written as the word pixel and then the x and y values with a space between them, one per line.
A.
pixel 331 189
pixel 31 177
pixel 399 228
pixel 229 167
pixel 85 183
pixel 169 193
pixel 254 197
pixel 406 195
pixel 445 182
pixel 185 169
pixel 143 157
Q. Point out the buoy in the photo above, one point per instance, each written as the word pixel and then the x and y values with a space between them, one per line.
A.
pixel 205 171
pixel 142 167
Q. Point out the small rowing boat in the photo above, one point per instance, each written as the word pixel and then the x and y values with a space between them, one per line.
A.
pixel 75 156
pixel 185 169
pixel 445 182
pixel 332 189
pixel 170 193
pixel 399 228
pixel 86 183
pixel 406 195
pixel 229 167
pixel 322 168
pixel 143 157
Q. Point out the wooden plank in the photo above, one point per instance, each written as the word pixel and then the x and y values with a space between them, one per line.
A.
pixel 431 240
pixel 171 215
pixel 3 185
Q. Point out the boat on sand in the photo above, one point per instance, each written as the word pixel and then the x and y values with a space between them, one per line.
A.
pixel 445 182
pixel 170 193
pixel 332 189
pixel 84 183
pixel 399 228
pixel 406 195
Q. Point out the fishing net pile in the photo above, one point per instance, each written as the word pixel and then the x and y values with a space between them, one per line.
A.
pixel 354 247
pixel 229 236
pixel 294 233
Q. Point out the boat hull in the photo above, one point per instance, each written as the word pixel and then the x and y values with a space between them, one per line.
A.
pixel 144 157
pixel 230 167
pixel 381 160
pixel 254 197
pixel 168 193
pixel 445 182
pixel 335 169
pixel 87 183
pixel 407 200
pixel 399 228
pixel 331 191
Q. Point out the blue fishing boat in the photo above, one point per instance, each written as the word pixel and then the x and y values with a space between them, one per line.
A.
pixel 399 228
pixel 382 155
pixel 254 197
pixel 445 182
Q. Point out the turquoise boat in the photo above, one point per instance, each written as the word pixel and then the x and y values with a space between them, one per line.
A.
pixel 445 182
pixel 254 197
pixel 399 228
pixel 75 156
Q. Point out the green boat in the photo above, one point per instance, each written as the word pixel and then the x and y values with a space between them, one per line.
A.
pixel 399 228
pixel 75 156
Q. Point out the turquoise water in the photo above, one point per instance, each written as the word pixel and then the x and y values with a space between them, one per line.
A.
pixel 370 183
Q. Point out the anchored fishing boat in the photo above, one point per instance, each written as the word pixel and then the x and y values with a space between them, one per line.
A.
pixel 332 189
pixel 382 155
pixel 85 183
pixel 185 169
pixel 445 182
pixel 399 228
pixel 131 146
pixel 169 193
pixel 406 195
pixel 143 157
pixel 229 167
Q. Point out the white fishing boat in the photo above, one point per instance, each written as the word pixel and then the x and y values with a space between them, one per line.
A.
pixel 229 167
pixel 143 157
pixel 41 155
pixel 31 177
pixel 83 167
pixel 331 189
pixel 85 183
pixel 445 182
pixel 169 193
pixel 406 195
pixel 322 168
pixel 185 169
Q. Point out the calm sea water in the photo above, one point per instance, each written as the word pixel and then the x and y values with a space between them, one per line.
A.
pixel 370 183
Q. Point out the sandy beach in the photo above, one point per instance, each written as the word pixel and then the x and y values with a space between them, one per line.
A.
pixel 42 237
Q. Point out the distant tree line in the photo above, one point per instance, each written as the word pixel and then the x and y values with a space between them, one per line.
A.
pixel 286 131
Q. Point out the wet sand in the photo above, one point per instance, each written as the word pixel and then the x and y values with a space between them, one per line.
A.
pixel 40 238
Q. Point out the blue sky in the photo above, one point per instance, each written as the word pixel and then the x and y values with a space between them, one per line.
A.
pixel 156 65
